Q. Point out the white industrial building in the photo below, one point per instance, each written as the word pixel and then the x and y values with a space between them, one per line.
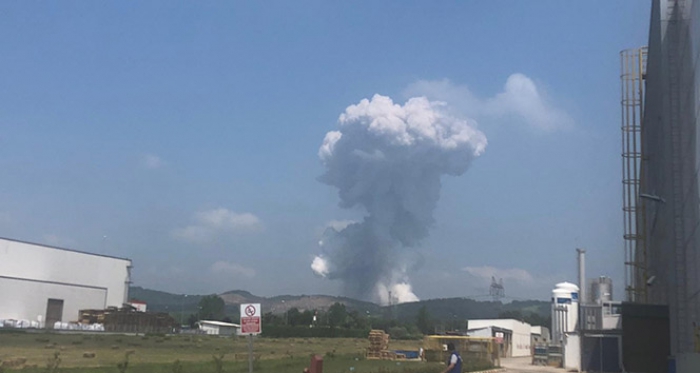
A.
pixel 218 327
pixel 520 337
pixel 42 285
pixel 502 336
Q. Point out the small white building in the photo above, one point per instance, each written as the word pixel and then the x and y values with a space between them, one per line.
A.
pixel 139 306
pixel 42 285
pixel 218 327
pixel 520 337
pixel 502 336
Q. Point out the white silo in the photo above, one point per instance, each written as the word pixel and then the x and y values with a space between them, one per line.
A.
pixel 601 290
pixel 564 310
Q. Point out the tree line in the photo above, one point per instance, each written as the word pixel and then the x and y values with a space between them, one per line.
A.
pixel 339 321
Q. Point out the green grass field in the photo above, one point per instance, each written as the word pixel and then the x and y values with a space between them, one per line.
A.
pixel 36 352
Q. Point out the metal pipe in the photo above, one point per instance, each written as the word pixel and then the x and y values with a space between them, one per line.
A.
pixel 582 276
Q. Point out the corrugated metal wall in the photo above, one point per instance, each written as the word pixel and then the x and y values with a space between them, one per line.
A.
pixel 671 163
pixel 600 353
pixel 27 300
pixel 30 274
pixel 646 338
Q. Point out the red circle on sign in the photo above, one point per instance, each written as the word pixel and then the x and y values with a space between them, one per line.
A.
pixel 250 310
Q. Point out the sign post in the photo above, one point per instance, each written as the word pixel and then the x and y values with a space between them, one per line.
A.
pixel 250 353
pixel 251 325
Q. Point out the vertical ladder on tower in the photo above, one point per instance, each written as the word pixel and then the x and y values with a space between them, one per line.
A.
pixel 632 69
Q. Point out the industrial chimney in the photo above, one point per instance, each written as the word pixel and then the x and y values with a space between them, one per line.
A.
pixel 582 276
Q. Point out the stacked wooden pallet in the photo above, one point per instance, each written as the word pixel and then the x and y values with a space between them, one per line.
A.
pixel 378 345
pixel 128 321
pixel 92 316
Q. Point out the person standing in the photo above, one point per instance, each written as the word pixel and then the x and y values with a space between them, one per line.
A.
pixel 454 363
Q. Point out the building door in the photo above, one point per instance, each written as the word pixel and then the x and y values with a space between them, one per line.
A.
pixel 54 312
pixel 600 354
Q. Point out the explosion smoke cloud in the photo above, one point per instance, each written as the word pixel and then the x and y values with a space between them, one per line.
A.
pixel 388 159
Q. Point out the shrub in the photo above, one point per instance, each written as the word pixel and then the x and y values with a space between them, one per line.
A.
pixel 176 368
pixel 218 363
pixel 124 365
pixel 53 363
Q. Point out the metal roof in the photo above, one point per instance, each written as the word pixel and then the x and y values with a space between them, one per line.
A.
pixel 63 248
pixel 218 323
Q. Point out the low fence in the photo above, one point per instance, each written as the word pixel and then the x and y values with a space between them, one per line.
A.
pixel 275 331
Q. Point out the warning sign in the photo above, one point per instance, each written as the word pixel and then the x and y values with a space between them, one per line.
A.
pixel 250 318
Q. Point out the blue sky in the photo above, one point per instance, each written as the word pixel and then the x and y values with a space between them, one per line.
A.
pixel 185 135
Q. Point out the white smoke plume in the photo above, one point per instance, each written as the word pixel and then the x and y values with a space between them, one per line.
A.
pixel 388 159
pixel 400 292
pixel 320 265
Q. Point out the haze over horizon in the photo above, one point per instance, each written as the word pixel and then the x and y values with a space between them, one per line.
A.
pixel 187 136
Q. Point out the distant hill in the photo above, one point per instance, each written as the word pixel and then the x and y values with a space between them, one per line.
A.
pixel 438 309
pixel 159 301
pixel 283 303
pixel 466 309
